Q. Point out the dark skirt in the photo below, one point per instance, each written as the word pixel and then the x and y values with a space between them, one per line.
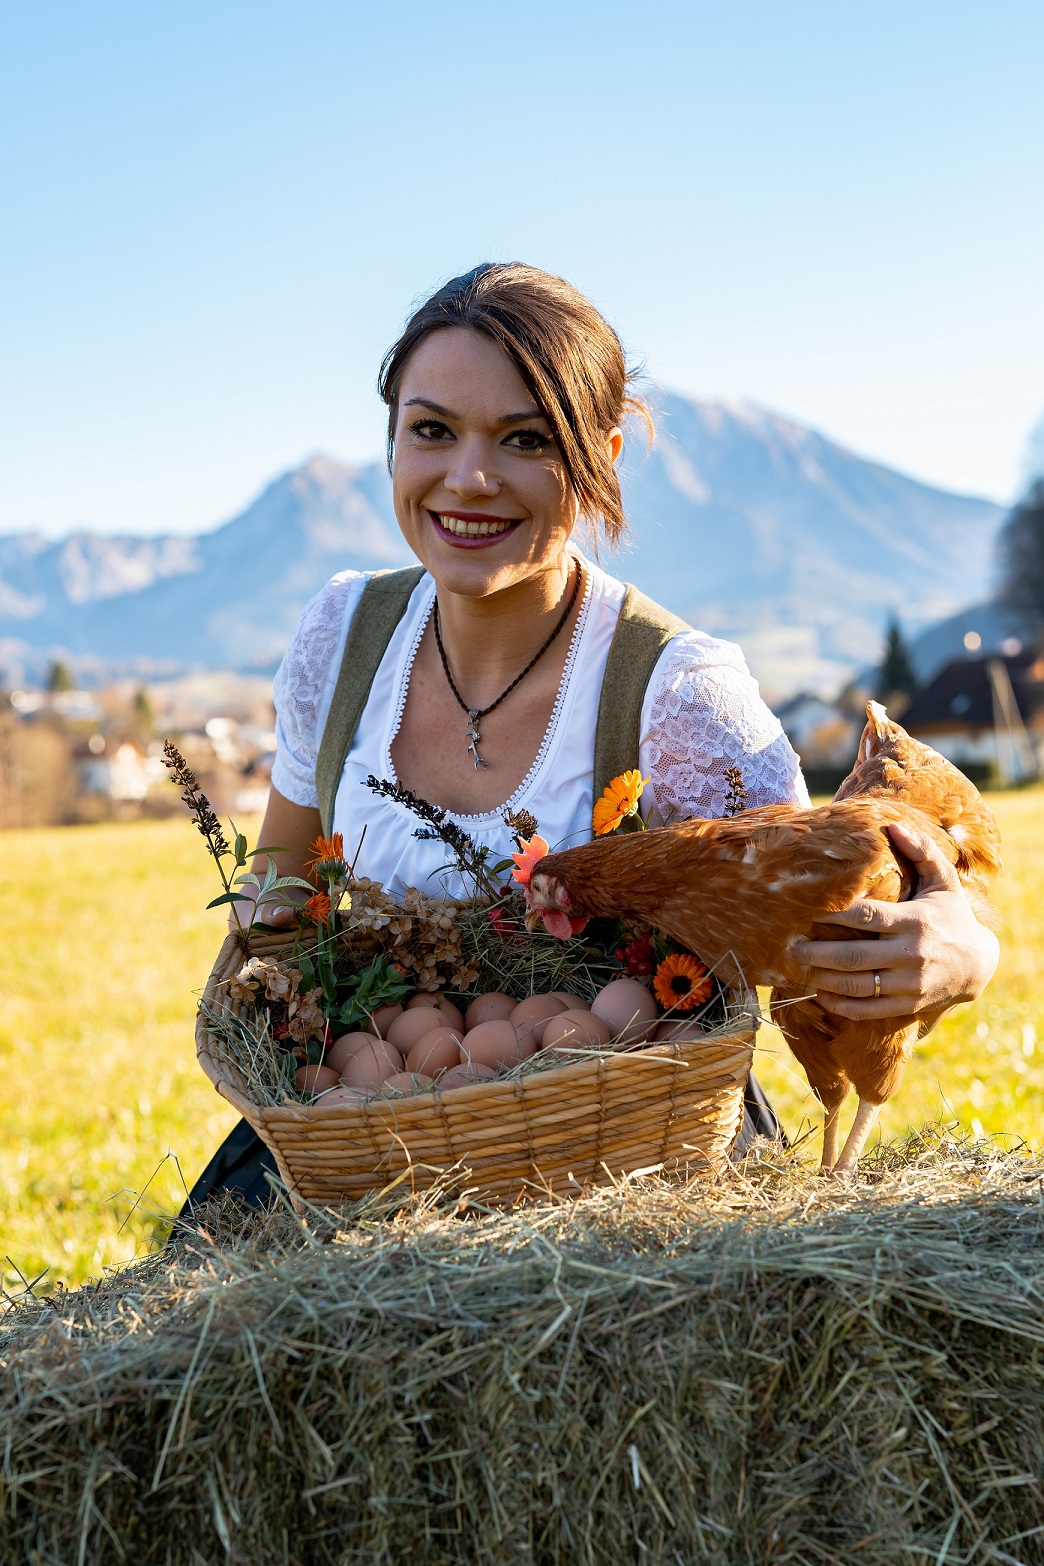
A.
pixel 242 1164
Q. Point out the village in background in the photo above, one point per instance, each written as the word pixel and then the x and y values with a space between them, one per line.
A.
pixel 70 755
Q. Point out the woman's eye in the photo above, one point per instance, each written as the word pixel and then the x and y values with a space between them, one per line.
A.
pixel 430 429
pixel 528 440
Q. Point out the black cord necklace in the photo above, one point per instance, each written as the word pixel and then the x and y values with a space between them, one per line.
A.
pixel 475 713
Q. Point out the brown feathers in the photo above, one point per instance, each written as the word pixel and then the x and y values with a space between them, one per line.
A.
pixel 739 892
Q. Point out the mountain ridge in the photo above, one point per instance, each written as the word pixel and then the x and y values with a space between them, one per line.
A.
pixel 745 522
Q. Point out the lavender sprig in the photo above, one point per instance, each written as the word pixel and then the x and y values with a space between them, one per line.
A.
pixel 470 859
pixel 199 806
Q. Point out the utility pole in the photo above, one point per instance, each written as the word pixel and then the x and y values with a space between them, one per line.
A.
pixel 1016 759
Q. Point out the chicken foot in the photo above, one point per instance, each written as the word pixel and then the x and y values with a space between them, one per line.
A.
pixel 831 1133
pixel 845 1167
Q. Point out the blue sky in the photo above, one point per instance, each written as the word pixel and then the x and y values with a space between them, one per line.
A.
pixel 215 216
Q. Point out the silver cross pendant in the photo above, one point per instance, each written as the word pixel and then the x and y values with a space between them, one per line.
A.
pixel 474 736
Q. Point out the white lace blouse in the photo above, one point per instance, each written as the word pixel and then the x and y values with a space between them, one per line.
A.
pixel 702 713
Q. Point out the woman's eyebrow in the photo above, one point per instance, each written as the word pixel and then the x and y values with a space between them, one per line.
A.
pixel 447 413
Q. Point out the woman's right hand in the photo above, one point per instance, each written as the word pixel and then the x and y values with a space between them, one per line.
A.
pixel 280 912
pixel 294 828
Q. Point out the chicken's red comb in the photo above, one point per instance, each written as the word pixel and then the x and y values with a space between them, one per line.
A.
pixel 533 850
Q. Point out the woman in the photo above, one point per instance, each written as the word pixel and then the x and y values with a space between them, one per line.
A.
pixel 506 394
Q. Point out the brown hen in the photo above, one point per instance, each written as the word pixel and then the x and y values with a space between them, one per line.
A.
pixel 739 892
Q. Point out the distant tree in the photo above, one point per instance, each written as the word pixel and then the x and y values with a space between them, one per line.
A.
pixel 144 717
pixel 59 679
pixel 896 675
pixel 1021 551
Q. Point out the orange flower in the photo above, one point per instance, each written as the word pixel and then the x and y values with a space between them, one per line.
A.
pixel 533 850
pixel 316 908
pixel 618 801
pixel 329 862
pixel 682 982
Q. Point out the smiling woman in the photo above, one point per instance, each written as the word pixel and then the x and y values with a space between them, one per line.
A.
pixel 506 396
pixel 509 675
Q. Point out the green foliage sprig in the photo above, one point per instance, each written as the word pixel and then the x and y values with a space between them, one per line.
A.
pixel 218 846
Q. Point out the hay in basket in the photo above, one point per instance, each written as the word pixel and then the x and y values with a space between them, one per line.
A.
pixel 559 1120
pixel 671 1106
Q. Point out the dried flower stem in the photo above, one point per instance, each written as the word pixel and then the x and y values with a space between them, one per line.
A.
pixel 735 792
pixel 468 857
pixel 199 806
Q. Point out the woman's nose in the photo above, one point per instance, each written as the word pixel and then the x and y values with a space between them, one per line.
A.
pixel 470 472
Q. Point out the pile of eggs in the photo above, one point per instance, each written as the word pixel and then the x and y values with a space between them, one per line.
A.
pixel 430 1046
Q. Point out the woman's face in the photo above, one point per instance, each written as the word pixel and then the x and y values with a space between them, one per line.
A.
pixel 481 492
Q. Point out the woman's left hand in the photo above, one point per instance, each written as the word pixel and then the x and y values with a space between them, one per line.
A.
pixel 931 953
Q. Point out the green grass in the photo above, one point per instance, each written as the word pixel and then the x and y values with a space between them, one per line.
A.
pixel 104 944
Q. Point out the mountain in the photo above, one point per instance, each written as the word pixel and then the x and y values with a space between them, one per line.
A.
pixel 752 526
pixel 229 598
pixel 747 524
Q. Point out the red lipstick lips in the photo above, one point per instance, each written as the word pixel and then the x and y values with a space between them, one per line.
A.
pixel 470 523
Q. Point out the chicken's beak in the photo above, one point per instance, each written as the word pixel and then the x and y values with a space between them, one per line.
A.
pixel 533 918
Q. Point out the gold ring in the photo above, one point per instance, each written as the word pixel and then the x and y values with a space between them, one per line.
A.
pixel 877 986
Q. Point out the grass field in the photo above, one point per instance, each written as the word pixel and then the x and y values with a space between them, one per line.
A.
pixel 103 945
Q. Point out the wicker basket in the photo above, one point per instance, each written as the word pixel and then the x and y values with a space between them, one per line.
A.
pixel 669 1106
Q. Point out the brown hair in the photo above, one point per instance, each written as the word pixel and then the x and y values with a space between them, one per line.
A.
pixel 566 353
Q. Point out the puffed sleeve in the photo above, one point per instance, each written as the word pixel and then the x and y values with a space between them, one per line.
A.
pixel 303 685
pixel 702 714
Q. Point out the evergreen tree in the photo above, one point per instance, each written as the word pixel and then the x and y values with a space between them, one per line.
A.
pixel 1021 550
pixel 59 678
pixel 896 673
pixel 143 714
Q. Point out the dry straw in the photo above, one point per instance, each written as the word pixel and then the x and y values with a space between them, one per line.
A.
pixel 765 1369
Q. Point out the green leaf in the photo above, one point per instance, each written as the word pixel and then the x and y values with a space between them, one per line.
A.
pixel 230 897
pixel 270 876
pixel 251 852
pixel 290 880
pixel 240 849
pixel 248 880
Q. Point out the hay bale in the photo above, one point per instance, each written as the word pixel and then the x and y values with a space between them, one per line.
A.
pixel 768 1369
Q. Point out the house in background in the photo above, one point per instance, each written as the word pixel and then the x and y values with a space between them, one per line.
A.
pixel 822 732
pixel 118 769
pixel 986 715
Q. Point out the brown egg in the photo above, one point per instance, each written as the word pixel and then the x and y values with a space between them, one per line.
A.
pixel 343 1048
pixel 575 1030
pixel 536 1011
pixel 380 1021
pixel 313 1079
pixel 493 1007
pixel 451 1016
pixel 412 1025
pixel 406 1082
pixel 345 1095
pixel 463 1076
pixel 570 1002
pixel 371 1063
pixel 529 1038
pixel 492 1044
pixel 679 1030
pixel 436 1051
pixel 536 1030
pixel 627 1008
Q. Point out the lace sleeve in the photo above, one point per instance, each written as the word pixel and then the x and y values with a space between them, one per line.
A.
pixel 702 714
pixel 301 689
